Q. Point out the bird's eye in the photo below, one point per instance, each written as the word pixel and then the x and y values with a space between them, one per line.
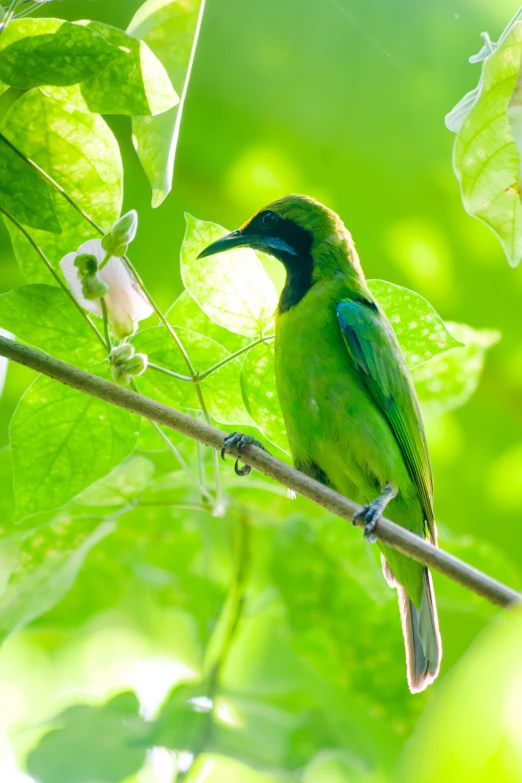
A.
pixel 269 219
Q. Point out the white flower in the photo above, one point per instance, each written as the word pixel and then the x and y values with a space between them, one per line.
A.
pixel 125 301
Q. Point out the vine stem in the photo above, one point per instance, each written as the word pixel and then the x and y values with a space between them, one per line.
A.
pixel 391 534
pixel 199 377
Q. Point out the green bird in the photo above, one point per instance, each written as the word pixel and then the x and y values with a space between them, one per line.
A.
pixel 348 401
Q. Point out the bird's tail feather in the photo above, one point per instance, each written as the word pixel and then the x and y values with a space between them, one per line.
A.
pixel 420 628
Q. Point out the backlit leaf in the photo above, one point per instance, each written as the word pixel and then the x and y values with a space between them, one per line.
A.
pixel 170 28
pixel 232 288
pixel 420 330
pixel 135 84
pixel 221 389
pixel 51 51
pixel 486 159
pixel 448 381
pixel 44 316
pixel 260 395
pixel 24 194
pixel 80 152
pixel 62 441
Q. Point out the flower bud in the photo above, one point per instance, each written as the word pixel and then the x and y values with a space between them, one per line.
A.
pixel 116 242
pixel 119 375
pixel 138 364
pixel 122 368
pixel 121 353
pixel 93 287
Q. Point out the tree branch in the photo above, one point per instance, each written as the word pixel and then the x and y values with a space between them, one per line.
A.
pixel 388 532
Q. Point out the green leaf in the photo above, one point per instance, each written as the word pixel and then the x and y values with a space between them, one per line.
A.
pixel 221 389
pixel 62 441
pixel 185 312
pixel 24 194
pixel 486 159
pixel 448 381
pixel 80 152
pixel 121 486
pixel 260 394
pixel 51 51
pixel 44 316
pixel 3 88
pixel 92 744
pixel 232 288
pixel 420 330
pixel 135 84
pixel 47 566
pixel 170 28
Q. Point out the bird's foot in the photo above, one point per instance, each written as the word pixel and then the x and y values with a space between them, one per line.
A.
pixel 372 512
pixel 238 441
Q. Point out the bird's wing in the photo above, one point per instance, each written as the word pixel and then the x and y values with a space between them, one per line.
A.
pixel 374 349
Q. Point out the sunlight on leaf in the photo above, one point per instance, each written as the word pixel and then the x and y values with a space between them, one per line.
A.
pixel 62 441
pixel 134 84
pixel 486 159
pixel 23 193
pixel 260 395
pixel 449 380
pixel 221 389
pixel 185 312
pixel 418 327
pixel 81 153
pixel 43 315
pixel 232 288
pixel 171 29
pixel 51 51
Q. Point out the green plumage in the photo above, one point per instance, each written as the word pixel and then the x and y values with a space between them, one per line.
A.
pixel 347 398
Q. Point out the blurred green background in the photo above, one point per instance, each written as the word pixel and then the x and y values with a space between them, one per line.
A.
pixel 345 101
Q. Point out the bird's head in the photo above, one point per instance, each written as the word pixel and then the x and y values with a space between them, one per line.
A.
pixel 307 237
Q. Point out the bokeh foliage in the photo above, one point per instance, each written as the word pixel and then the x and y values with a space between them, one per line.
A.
pixel 268 617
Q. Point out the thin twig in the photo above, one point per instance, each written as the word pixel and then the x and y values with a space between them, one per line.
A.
pixel 202 375
pixel 56 276
pixel 105 324
pixel 395 536
pixel 8 15
pixel 175 375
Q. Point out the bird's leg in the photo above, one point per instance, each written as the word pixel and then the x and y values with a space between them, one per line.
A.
pixel 372 512
pixel 238 440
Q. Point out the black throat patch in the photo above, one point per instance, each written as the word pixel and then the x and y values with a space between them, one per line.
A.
pixel 298 267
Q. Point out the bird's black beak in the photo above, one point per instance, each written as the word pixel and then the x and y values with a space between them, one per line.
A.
pixel 273 245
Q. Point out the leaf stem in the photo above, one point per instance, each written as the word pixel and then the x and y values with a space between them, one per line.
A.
pixel 171 447
pixel 32 8
pixel 201 376
pixel 56 276
pixel 176 375
pixel 105 324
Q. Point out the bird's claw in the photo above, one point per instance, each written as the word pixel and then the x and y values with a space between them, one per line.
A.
pixel 370 514
pixel 238 440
